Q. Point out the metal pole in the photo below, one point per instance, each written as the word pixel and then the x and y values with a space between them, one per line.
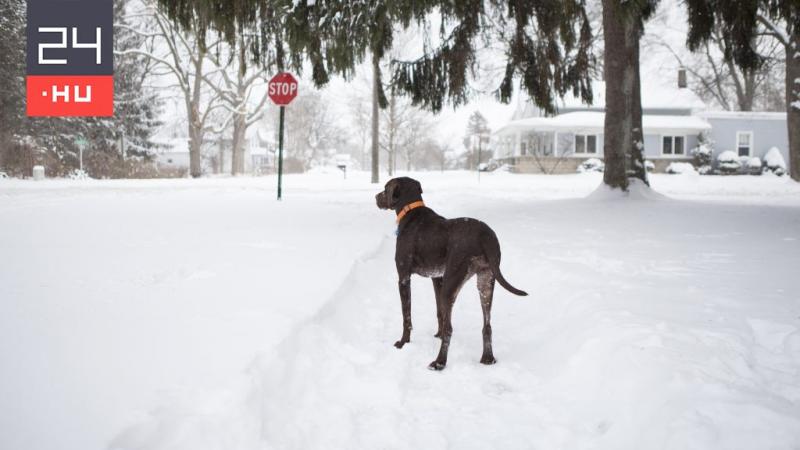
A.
pixel 479 158
pixel 280 153
pixel 80 156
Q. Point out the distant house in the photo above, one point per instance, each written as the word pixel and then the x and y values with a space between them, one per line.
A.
pixel 674 119
pixel 175 152
pixel 259 151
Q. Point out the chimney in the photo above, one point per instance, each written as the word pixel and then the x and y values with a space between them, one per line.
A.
pixel 681 78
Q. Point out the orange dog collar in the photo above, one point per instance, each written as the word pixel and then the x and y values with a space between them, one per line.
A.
pixel 408 208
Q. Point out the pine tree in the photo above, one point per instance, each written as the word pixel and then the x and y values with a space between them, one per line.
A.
pixel 12 69
pixel 136 107
pixel 547 47
pixel 476 139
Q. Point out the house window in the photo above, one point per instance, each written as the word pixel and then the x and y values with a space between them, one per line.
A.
pixel 744 142
pixel 585 143
pixel 523 148
pixel 673 145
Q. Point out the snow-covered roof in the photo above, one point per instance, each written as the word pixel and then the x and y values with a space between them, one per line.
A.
pixel 258 130
pixel 655 95
pixel 748 115
pixel 594 121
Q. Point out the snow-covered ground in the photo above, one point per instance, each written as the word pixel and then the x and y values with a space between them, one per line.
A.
pixel 203 314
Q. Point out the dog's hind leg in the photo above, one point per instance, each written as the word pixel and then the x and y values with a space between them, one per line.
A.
pixel 454 279
pixel 437 289
pixel 486 291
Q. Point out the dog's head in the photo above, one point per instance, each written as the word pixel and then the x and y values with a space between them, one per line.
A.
pixel 399 192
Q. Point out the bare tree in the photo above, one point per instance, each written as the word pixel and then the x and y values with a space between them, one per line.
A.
pixel 234 84
pixel 721 82
pixel 360 114
pixel 179 54
pixel 406 127
pixel 310 131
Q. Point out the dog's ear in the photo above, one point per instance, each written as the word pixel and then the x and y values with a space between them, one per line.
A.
pixel 391 193
pixel 419 186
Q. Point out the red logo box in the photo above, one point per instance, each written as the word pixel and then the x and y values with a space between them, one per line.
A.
pixel 70 95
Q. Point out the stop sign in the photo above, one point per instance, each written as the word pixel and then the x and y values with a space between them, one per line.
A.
pixel 282 88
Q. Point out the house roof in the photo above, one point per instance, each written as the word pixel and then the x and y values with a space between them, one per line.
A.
pixel 747 115
pixel 593 121
pixel 655 96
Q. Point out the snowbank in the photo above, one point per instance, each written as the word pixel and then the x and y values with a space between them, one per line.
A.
pixel 637 190
pixel 680 168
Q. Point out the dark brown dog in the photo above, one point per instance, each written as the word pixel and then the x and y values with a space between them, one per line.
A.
pixel 447 251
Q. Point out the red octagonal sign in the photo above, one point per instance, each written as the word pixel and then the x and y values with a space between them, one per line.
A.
pixel 282 88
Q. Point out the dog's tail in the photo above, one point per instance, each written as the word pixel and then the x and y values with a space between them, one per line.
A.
pixel 499 276
pixel 491 248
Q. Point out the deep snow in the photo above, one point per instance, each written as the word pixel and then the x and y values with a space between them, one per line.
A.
pixel 203 314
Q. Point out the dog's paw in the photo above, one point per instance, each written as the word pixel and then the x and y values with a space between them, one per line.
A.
pixel 400 343
pixel 438 335
pixel 436 365
pixel 488 360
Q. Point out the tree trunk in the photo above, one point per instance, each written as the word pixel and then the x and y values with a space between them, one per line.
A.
pixel 239 132
pixel 195 123
pixel 240 117
pixel 748 97
pixel 221 149
pixel 392 128
pixel 793 102
pixel 375 118
pixel 622 148
pixel 195 141
pixel 619 80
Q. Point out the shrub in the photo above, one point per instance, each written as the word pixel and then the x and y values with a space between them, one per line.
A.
pixel 591 165
pixel 774 162
pixel 680 168
pixel 702 155
pixel 754 166
pixel 728 162
pixel 78 174
pixel 649 166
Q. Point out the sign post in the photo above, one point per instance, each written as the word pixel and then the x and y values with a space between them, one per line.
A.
pixel 80 141
pixel 282 89
pixel 280 152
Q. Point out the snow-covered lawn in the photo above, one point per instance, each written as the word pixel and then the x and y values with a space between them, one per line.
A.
pixel 194 314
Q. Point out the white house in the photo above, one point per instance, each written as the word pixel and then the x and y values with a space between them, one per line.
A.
pixel 674 122
pixel 259 151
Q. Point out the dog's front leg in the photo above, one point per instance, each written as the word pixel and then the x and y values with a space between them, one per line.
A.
pixel 437 288
pixel 405 300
